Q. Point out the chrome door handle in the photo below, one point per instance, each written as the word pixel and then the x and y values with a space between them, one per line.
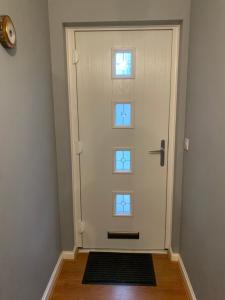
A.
pixel 161 151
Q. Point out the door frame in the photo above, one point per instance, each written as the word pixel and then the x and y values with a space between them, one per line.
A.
pixel 72 58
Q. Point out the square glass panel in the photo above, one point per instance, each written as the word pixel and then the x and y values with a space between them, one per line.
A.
pixel 122 161
pixel 122 115
pixel 122 204
pixel 123 63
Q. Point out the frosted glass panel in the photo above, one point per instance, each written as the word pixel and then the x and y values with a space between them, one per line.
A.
pixel 123 63
pixel 122 204
pixel 122 161
pixel 123 115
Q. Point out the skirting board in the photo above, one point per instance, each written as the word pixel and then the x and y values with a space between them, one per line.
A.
pixel 63 256
pixel 53 278
pixel 176 257
pixel 69 254
pixel 82 250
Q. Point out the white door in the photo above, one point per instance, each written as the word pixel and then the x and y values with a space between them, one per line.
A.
pixel 123 92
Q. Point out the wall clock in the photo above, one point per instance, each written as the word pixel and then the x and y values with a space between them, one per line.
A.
pixel 7 32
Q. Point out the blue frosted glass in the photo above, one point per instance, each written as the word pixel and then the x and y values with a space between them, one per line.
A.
pixel 122 161
pixel 123 204
pixel 126 197
pixel 119 155
pixel 123 64
pixel 126 155
pixel 119 166
pixel 126 166
pixel 122 115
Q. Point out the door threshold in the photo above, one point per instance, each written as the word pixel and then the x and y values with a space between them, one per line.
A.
pixel 87 250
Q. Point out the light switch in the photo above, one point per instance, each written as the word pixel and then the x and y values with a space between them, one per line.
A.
pixel 186 144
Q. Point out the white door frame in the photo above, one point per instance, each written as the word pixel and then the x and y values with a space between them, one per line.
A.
pixel 72 58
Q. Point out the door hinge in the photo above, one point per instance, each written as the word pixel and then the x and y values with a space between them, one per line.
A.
pixel 79 147
pixel 81 226
pixel 75 57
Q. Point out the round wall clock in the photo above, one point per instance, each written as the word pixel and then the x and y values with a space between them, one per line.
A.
pixel 7 32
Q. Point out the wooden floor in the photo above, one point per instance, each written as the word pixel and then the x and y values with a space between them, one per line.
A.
pixel 170 285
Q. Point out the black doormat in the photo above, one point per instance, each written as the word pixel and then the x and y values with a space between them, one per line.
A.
pixel 119 269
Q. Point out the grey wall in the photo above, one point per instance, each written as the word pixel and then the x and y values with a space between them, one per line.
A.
pixel 203 213
pixel 71 11
pixel 29 230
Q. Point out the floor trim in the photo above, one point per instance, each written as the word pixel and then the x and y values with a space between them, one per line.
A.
pixel 176 257
pixel 69 254
pixel 65 255
pixel 53 278
pixel 173 256
pixel 82 250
